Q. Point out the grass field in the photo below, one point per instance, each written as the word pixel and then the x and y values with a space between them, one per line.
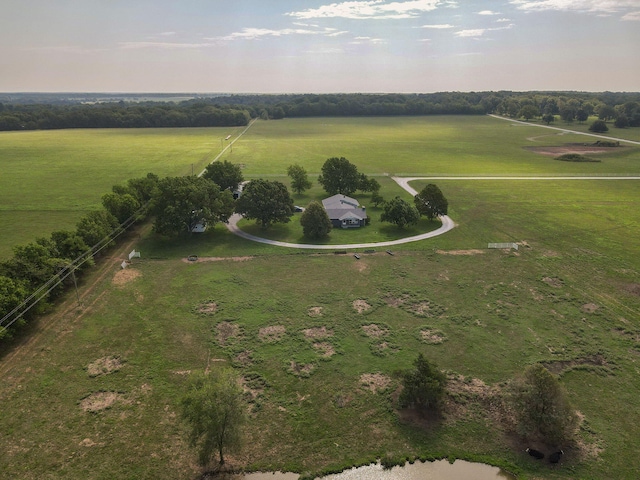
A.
pixel 320 373
pixel 51 178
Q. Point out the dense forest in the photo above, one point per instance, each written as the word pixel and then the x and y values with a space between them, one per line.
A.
pixel 55 111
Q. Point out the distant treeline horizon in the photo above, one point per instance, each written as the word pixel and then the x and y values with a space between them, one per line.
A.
pixel 44 111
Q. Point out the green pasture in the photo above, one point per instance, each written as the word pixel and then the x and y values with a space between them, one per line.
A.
pixel 569 297
pixel 51 178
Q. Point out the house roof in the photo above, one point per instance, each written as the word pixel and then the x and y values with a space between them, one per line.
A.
pixel 341 207
pixel 340 201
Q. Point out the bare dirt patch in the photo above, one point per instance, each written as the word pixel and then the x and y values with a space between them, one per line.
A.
pixel 244 358
pixel 561 366
pixel 318 332
pixel 301 369
pixel 396 301
pixel 375 382
pixel 571 148
pixel 225 331
pixel 217 259
pixel 422 309
pixel 360 306
pixel 461 252
pixel 432 337
pixel 124 276
pixel 325 349
pixel 208 308
pixel 553 282
pixel 315 311
pixel 589 308
pixel 633 288
pixel 272 333
pixel 105 366
pixel 374 331
pixel 360 266
pixel 99 401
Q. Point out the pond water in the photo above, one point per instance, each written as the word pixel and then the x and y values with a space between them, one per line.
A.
pixel 438 470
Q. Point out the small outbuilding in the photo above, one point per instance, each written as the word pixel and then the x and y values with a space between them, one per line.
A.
pixel 345 212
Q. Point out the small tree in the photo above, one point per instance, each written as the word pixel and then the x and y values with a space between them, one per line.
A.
pixel 548 118
pixel 528 112
pixel 339 175
pixel 315 221
pixel 215 411
pixel 265 201
pixel 227 175
pixel 599 126
pixel 542 407
pixel 430 202
pixel 299 179
pixel 376 199
pixel 424 387
pixel 400 212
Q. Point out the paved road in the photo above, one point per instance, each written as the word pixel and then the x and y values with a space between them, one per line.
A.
pixel 604 137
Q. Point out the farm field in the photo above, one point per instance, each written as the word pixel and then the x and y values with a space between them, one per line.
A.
pixel 51 178
pixel 319 337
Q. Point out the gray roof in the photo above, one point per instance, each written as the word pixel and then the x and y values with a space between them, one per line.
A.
pixel 341 207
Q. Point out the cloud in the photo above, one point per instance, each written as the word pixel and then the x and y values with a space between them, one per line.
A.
pixel 488 12
pixel 502 20
pixel 257 33
pixel 370 9
pixel 633 16
pixel 476 32
pixel 438 27
pixel 367 41
pixel 479 32
pixel 590 6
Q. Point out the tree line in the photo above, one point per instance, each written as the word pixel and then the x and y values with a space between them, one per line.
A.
pixel 121 115
pixel 623 108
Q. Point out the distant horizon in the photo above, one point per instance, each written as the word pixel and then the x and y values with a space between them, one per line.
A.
pixel 187 92
pixel 320 46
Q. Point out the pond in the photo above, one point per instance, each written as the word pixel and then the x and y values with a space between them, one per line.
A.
pixel 438 470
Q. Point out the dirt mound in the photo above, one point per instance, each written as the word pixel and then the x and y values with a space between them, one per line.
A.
pixel 589 308
pixel 226 331
pixel 99 401
pixel 432 337
pixel 208 308
pixel 374 331
pixel 315 311
pixel 553 282
pixel 360 306
pixel 325 349
pixel 122 277
pixel 272 333
pixel 301 369
pixel 561 366
pixel 318 332
pixel 105 366
pixel 375 382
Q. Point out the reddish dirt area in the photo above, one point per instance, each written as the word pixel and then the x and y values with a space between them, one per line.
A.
pixel 571 148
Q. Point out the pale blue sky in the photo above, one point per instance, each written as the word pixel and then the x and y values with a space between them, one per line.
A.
pixel 290 46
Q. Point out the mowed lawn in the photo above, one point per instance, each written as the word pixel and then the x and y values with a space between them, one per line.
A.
pixel 51 178
pixel 318 337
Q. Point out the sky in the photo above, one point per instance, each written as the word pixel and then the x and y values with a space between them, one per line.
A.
pixel 319 46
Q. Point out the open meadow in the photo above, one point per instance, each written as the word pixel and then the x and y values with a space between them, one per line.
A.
pixel 318 338
pixel 52 178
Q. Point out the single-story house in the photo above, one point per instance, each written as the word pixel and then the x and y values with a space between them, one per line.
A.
pixel 345 212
